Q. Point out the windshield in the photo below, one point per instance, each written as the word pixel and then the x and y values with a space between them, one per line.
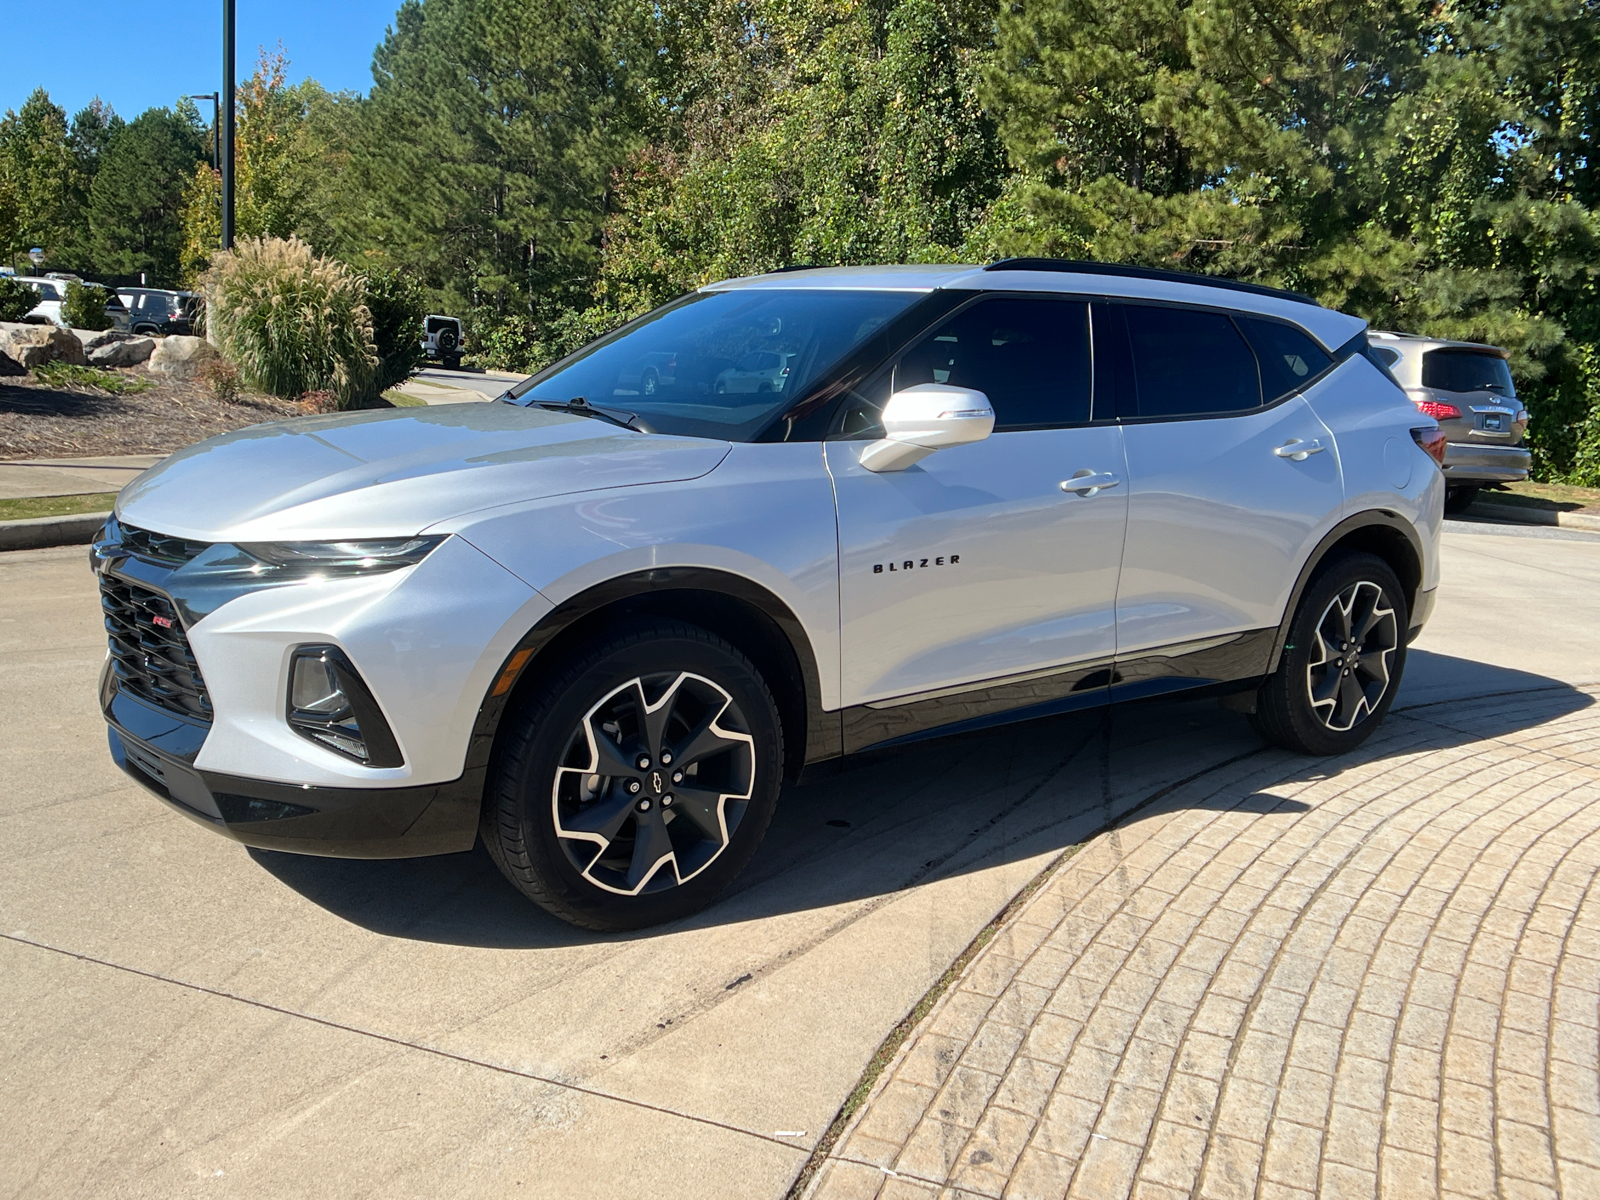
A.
pixel 718 364
pixel 1466 371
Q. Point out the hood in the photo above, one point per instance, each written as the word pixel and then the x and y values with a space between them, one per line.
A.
pixel 394 472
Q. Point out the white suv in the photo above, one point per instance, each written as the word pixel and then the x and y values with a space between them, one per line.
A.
pixel 599 625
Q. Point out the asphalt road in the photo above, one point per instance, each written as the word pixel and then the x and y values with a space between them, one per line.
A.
pixel 182 1016
pixel 487 384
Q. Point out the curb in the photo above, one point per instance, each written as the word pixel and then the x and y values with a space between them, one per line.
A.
pixel 36 533
pixel 1534 516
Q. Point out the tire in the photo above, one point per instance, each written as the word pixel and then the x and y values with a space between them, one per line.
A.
pixel 564 814
pixel 1459 499
pixel 1292 708
pixel 452 362
pixel 651 382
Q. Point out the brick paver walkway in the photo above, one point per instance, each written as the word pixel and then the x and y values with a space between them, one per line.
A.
pixel 1377 976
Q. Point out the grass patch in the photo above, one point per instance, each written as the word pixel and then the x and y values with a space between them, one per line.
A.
pixel 1560 497
pixel 69 375
pixel 29 507
pixel 401 400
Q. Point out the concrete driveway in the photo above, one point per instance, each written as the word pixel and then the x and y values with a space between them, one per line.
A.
pixel 179 1015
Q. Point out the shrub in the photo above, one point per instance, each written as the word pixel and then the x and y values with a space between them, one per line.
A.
pixel 397 303
pixel 222 377
pixel 17 300
pixel 292 322
pixel 85 306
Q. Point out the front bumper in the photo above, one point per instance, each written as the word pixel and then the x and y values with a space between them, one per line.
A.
pixel 1468 463
pixel 396 822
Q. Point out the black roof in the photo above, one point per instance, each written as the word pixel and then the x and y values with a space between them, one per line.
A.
pixel 1074 267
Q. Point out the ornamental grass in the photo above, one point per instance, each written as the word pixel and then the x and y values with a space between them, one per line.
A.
pixel 291 322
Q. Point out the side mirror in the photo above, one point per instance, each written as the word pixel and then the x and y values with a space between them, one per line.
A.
pixel 925 418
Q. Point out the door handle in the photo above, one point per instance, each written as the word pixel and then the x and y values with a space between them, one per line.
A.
pixel 1297 450
pixel 1087 483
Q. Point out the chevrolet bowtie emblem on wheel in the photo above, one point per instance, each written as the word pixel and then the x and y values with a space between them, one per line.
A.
pixel 655 782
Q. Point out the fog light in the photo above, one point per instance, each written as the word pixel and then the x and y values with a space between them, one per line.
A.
pixel 331 706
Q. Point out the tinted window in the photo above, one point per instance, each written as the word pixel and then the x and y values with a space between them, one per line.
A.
pixel 1030 357
pixel 1466 371
pixel 1187 362
pixel 1289 358
pixel 681 368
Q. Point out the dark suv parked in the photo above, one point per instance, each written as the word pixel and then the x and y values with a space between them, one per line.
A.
pixel 155 310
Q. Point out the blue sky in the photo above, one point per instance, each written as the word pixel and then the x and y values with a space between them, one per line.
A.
pixel 139 55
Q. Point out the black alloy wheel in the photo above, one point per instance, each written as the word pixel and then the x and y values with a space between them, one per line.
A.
pixel 1459 499
pixel 1343 660
pixel 637 782
pixel 651 382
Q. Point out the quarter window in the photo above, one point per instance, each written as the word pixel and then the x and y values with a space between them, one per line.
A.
pixel 1289 358
pixel 1187 362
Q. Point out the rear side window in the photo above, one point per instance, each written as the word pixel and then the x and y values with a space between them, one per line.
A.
pixel 1030 357
pixel 1466 371
pixel 1289 358
pixel 1190 363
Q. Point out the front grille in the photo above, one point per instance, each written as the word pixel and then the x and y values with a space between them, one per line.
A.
pixel 158 547
pixel 150 654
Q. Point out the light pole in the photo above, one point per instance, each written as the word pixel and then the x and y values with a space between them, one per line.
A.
pixel 216 130
pixel 227 124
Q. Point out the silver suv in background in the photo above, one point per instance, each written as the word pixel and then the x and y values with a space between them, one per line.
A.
pixel 1467 388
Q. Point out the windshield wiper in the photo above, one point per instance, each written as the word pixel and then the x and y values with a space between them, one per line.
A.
pixel 578 406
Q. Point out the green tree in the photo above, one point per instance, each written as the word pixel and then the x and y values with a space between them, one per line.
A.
pixel 821 134
pixel 487 144
pixel 94 126
pixel 290 143
pixel 135 199
pixel 40 182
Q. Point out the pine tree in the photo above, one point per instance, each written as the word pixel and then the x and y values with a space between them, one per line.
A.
pixel 134 202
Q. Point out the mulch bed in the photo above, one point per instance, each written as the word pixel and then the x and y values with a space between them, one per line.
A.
pixel 38 421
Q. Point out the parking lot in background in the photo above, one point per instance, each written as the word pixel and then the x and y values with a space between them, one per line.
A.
pixel 182 1016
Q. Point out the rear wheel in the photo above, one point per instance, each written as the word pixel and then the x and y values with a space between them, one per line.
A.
pixel 1343 660
pixel 1459 499
pixel 636 782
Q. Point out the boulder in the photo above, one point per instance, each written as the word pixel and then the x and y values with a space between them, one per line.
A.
pixel 10 366
pixel 125 353
pixel 182 357
pixel 95 338
pixel 35 345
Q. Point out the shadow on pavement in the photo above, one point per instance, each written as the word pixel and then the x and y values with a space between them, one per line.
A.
pixel 883 822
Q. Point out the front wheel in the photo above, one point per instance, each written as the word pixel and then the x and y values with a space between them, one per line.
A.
pixel 636 782
pixel 1342 663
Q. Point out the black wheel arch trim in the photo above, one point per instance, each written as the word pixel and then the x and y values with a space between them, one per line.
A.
pixel 1386 525
pixel 682 592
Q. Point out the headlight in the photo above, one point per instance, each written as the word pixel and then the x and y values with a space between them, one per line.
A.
pixel 329 704
pixel 341 558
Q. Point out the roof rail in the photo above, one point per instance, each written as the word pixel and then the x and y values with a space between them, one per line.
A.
pixel 1075 267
